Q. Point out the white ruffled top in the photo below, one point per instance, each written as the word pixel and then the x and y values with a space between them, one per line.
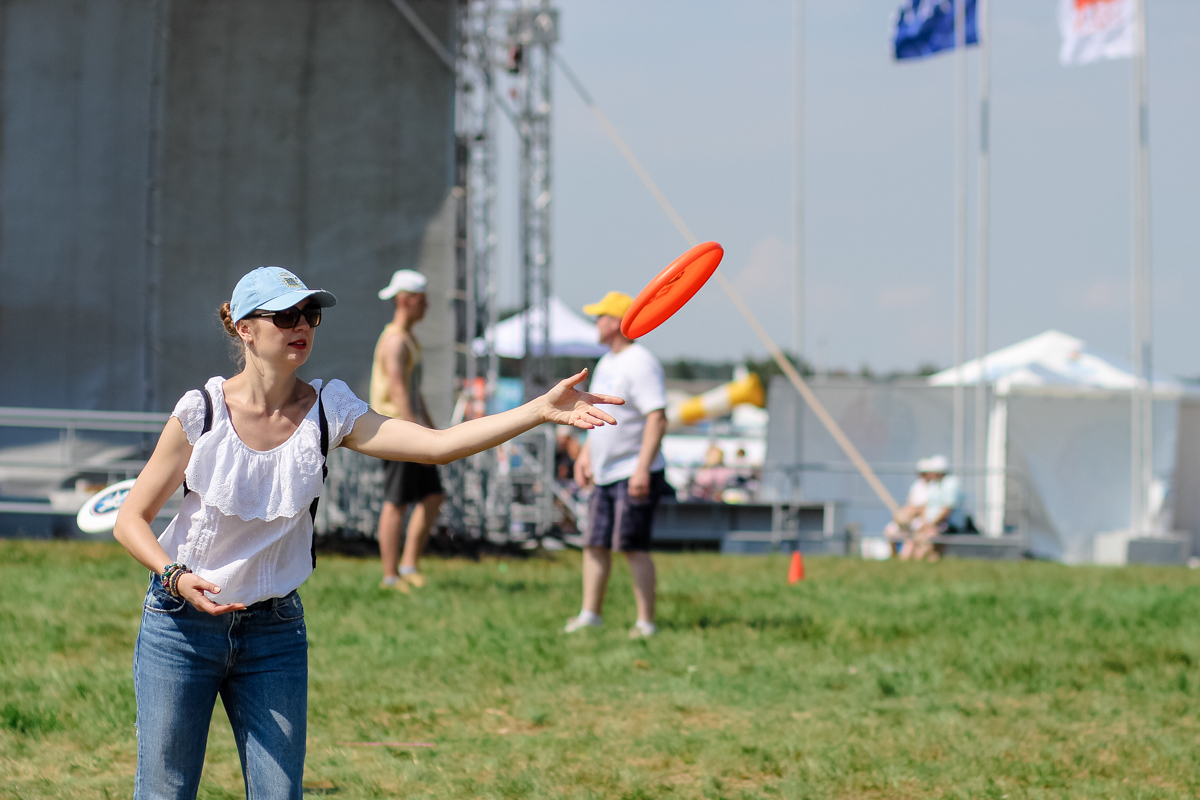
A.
pixel 245 525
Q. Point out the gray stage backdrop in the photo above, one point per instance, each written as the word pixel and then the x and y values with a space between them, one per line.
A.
pixel 154 151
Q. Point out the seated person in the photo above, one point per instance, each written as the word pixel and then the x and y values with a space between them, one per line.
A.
pixel 944 506
pixel 711 480
pixel 906 520
pixel 743 483
pixel 942 512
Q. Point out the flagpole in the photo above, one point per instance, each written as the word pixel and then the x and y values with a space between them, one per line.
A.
pixel 1142 396
pixel 1147 271
pixel 984 32
pixel 960 226
pixel 798 315
pixel 798 189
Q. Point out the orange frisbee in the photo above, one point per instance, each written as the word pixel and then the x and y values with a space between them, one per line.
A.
pixel 671 289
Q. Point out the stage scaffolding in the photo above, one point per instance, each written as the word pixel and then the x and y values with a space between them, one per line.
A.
pixel 506 493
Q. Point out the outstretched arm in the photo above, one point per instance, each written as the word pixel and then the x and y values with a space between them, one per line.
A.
pixel 398 440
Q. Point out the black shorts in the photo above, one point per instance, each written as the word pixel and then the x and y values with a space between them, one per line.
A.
pixel 405 482
pixel 619 522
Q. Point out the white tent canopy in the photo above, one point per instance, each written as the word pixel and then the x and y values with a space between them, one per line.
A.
pixel 570 334
pixel 1057 465
pixel 1059 433
pixel 1052 359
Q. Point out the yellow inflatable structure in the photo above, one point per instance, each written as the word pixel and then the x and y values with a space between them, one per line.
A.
pixel 718 402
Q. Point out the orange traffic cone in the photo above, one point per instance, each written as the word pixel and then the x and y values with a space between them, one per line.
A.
pixel 796 571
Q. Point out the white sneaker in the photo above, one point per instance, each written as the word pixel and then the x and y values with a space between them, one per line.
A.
pixel 643 630
pixel 580 622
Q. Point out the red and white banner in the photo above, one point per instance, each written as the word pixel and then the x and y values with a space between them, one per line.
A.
pixel 1096 29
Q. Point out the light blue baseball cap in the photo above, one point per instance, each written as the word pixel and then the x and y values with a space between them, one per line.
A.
pixel 273 289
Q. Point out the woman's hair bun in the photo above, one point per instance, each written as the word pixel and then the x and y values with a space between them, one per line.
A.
pixel 227 320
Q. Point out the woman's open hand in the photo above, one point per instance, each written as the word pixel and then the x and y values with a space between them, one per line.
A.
pixel 192 588
pixel 566 405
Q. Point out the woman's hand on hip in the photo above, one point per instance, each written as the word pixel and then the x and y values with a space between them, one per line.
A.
pixel 192 588
pixel 566 405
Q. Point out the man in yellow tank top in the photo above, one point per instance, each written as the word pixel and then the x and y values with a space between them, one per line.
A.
pixel 396 392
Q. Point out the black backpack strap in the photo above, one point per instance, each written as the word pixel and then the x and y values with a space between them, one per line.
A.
pixel 312 510
pixel 208 421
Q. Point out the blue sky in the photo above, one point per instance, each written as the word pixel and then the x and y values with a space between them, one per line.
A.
pixel 702 92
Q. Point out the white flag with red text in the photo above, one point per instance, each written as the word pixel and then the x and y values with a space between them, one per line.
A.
pixel 1096 29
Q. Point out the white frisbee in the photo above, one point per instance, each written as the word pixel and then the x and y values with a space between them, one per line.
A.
pixel 99 513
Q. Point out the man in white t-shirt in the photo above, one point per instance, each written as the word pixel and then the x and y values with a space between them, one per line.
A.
pixel 626 465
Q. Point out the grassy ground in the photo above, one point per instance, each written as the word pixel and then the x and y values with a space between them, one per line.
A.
pixel 957 679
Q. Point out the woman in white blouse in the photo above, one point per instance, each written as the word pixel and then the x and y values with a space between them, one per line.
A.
pixel 222 615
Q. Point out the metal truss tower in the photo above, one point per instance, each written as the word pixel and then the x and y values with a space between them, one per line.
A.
pixel 495 39
pixel 474 297
pixel 475 191
pixel 532 34
pixel 517 38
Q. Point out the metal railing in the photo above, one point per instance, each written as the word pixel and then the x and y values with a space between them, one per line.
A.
pixel 46 465
pixel 510 499
pixel 518 504
pixel 353 494
pixel 787 483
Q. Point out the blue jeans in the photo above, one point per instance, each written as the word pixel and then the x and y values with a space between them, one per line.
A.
pixel 256 660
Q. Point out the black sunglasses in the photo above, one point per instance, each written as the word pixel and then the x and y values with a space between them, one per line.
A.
pixel 290 317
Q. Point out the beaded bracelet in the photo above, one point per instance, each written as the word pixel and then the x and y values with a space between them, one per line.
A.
pixel 170 577
pixel 179 573
pixel 168 571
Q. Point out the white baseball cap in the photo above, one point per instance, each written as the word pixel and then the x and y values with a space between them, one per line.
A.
pixel 403 280
pixel 938 464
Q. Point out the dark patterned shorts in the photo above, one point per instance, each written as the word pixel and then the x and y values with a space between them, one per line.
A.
pixel 619 522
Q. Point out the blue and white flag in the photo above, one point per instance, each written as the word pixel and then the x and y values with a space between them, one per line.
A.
pixel 924 27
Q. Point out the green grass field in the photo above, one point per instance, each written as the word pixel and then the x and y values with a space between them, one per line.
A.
pixel 958 679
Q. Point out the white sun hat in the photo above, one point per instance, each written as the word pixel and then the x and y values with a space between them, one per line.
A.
pixel 403 280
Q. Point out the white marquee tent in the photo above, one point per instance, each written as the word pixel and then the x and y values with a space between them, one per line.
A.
pixel 1059 432
pixel 570 334
pixel 1052 359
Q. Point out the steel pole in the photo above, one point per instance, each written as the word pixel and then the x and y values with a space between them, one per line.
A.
pixel 983 27
pixel 1142 403
pixel 960 222
pixel 798 317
